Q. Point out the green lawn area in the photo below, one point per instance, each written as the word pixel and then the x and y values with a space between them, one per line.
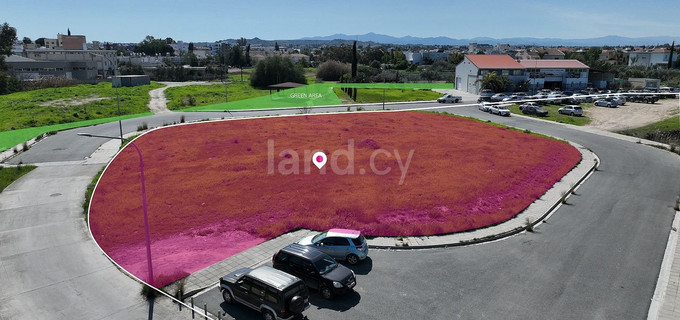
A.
pixel 553 115
pixel 665 131
pixel 53 106
pixel 178 97
pixel 391 95
pixel 9 175
pixel 11 138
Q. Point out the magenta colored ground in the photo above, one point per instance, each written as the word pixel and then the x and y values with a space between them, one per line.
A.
pixel 210 194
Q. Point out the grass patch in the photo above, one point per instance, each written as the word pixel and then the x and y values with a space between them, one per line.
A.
pixel 89 191
pixel 553 115
pixel 665 131
pixel 391 95
pixel 9 139
pixel 53 106
pixel 498 125
pixel 9 175
pixel 212 94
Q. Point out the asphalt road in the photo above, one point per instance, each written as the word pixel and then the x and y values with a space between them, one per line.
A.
pixel 596 258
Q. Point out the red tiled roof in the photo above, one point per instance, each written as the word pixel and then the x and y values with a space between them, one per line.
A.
pixel 553 64
pixel 493 61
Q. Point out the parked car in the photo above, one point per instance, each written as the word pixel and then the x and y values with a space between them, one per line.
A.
pixel 535 110
pixel 527 104
pixel 275 294
pixel 515 97
pixel 498 97
pixel 447 98
pixel 571 110
pixel 500 110
pixel 341 244
pixel 318 270
pixel 605 103
pixel 485 95
pixel 555 98
pixel 484 106
pixel 620 99
pixel 572 100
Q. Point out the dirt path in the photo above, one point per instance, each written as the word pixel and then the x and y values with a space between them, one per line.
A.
pixel 632 114
pixel 158 103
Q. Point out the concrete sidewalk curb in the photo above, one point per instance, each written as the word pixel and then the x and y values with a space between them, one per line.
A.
pixel 662 306
pixel 537 212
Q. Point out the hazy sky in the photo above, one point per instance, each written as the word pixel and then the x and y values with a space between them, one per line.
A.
pixel 197 20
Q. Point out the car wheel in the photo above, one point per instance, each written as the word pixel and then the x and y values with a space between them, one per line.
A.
pixel 572 114
pixel 228 298
pixel 352 259
pixel 268 315
pixel 326 292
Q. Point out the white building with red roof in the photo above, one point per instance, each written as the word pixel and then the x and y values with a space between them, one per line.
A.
pixel 567 75
pixel 473 68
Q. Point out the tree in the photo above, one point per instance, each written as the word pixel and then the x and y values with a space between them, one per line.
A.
pixel 670 59
pixel 276 46
pixel 354 69
pixel 151 46
pixel 26 40
pixel 242 42
pixel 236 57
pixel 40 42
pixel 456 58
pixel 8 36
pixel 276 69
pixel 429 75
pixel 332 70
pixel 494 82
pixel 248 61
pixel 191 46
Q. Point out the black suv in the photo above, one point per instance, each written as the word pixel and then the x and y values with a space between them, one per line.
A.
pixel 276 294
pixel 317 269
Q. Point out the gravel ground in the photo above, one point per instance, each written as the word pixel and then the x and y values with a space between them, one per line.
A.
pixel 632 114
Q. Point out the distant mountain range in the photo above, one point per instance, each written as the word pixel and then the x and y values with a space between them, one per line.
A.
pixel 551 42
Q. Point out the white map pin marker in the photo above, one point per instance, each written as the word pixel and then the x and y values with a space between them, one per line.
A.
pixel 319 159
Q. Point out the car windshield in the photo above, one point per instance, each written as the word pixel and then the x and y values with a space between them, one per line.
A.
pixel 501 107
pixel 319 236
pixel 325 265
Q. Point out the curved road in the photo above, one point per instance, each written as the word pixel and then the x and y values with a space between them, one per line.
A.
pixel 597 258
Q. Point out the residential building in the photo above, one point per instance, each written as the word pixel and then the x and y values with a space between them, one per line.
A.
pixel 202 52
pixel 421 56
pixel 71 42
pixel 552 54
pixel 651 57
pixel 502 47
pixel 105 60
pixel 31 69
pixel 473 68
pixel 295 57
pixel 527 54
pixel 568 75
pixel 51 43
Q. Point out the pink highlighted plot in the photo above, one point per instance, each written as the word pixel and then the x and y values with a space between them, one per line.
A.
pixel 217 188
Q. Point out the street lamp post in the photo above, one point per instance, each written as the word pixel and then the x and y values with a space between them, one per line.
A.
pixel 146 214
pixel 115 82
